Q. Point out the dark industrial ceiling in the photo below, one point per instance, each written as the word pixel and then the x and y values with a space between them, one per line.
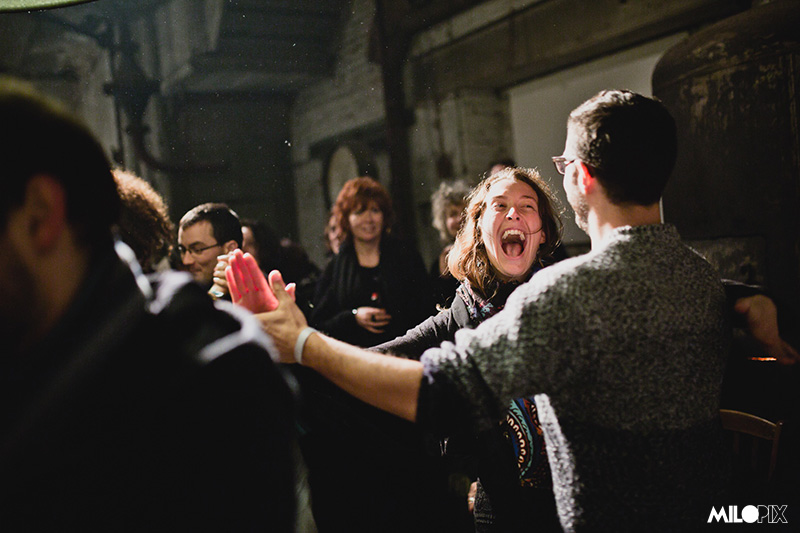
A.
pixel 254 45
pixel 272 45
pixel 251 45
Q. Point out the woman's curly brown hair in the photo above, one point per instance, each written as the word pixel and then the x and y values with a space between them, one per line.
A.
pixel 144 222
pixel 468 258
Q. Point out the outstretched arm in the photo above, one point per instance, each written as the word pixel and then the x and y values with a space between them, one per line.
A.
pixel 387 382
pixel 761 316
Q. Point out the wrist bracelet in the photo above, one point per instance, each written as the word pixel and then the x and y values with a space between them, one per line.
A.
pixel 301 342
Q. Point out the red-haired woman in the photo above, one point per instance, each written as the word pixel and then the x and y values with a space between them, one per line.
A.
pixel 368 470
pixel 376 287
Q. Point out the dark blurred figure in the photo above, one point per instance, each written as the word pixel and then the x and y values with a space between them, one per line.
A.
pixel 498 165
pixel 144 222
pixel 128 403
pixel 447 208
pixel 273 253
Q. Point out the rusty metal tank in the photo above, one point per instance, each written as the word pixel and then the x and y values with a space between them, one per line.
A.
pixel 733 89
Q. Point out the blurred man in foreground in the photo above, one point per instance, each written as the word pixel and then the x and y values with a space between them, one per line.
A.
pixel 128 403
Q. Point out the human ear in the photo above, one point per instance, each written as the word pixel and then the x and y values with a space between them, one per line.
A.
pixel 586 179
pixel 44 211
pixel 230 246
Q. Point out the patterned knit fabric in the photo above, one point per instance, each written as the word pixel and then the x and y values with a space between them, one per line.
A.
pixel 521 424
pixel 526 436
pixel 479 309
pixel 624 349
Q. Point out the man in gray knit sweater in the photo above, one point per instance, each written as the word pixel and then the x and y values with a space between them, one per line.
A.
pixel 624 347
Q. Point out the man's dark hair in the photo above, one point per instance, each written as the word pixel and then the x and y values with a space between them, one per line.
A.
pixel 225 224
pixel 38 136
pixel 630 141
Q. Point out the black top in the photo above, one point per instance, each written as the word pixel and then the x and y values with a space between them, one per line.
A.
pixel 442 326
pixel 370 470
pixel 398 284
pixel 430 333
pixel 444 285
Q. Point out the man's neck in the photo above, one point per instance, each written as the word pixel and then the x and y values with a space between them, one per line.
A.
pixel 607 217
pixel 57 277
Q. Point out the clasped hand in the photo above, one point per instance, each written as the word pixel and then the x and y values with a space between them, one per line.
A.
pixel 373 319
pixel 272 301
pixel 762 324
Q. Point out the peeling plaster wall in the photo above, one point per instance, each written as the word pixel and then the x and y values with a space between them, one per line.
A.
pixel 63 64
pixel 330 110
pixel 470 129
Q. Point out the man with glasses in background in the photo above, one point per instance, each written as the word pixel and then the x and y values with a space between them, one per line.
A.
pixel 205 233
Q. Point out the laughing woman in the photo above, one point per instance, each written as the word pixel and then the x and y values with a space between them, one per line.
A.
pixel 511 225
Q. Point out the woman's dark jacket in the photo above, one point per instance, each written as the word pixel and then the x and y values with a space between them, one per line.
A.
pixel 502 504
pixel 399 284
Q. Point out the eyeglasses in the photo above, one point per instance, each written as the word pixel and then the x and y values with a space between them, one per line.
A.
pixel 562 163
pixel 195 250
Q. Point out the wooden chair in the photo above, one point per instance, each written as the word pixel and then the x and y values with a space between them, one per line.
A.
pixel 749 433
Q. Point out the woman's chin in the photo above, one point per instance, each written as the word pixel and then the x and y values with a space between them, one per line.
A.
pixel 368 238
pixel 513 276
pixel 515 270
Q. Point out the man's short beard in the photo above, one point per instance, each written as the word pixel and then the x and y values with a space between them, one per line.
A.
pixel 581 209
pixel 20 309
pixel 577 202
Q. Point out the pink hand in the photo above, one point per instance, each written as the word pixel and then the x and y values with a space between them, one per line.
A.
pixel 248 285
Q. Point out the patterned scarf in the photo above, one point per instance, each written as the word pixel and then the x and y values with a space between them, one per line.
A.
pixel 481 308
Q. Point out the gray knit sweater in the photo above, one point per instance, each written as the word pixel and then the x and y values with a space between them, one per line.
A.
pixel 625 349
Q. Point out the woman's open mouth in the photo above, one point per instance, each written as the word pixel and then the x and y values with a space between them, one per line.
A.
pixel 513 242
